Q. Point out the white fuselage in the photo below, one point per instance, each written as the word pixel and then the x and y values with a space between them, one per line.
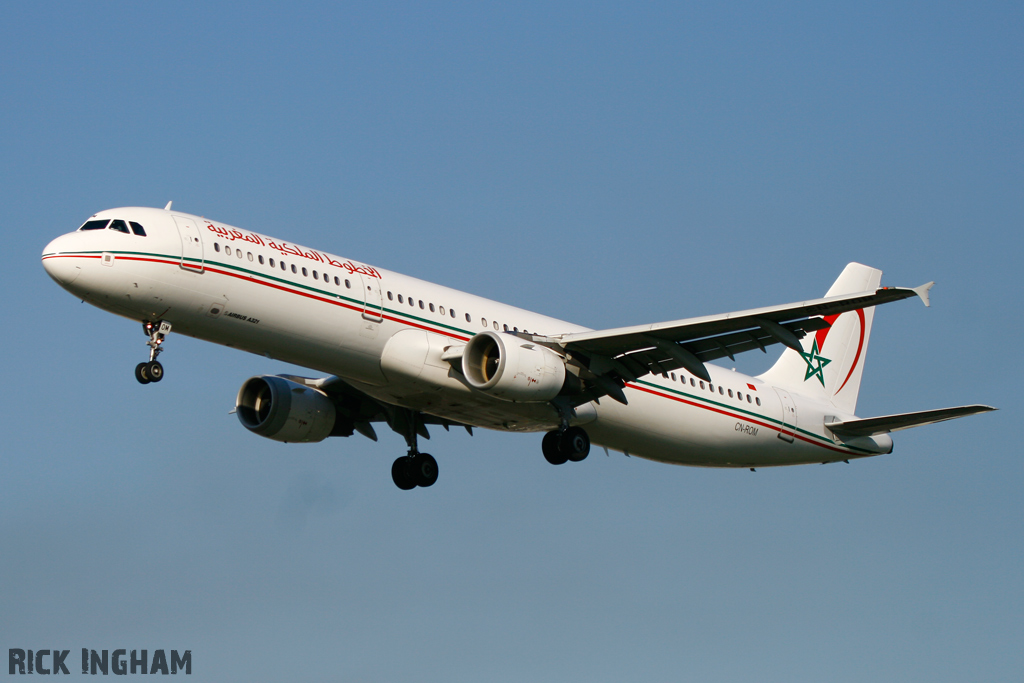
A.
pixel 385 333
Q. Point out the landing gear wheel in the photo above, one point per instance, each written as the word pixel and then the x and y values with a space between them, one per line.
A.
pixel 401 473
pixel 424 467
pixel 154 370
pixel 575 444
pixel 552 453
pixel 142 373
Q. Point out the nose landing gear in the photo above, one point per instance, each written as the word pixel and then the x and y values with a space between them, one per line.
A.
pixel 153 371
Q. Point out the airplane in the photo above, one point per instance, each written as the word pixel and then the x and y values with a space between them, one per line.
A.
pixel 411 354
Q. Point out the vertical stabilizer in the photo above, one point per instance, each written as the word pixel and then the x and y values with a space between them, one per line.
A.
pixel 830 367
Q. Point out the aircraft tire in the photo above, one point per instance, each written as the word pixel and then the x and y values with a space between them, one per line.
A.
pixel 401 473
pixel 141 373
pixel 552 452
pixel 425 469
pixel 155 371
pixel 575 444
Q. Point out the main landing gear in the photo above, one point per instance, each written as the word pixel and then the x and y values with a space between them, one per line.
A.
pixel 563 445
pixel 153 371
pixel 414 469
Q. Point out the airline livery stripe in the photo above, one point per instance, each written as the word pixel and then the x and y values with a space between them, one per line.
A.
pixel 787 428
pixel 760 421
pixel 286 286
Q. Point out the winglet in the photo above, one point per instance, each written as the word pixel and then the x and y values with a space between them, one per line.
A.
pixel 168 207
pixel 922 292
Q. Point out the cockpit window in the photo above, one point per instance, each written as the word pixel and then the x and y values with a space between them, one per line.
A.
pixel 95 225
pixel 120 227
pixel 137 229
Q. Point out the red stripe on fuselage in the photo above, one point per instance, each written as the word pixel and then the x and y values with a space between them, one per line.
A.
pixel 273 285
pixel 737 416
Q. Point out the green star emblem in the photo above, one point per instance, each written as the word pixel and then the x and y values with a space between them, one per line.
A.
pixel 815 364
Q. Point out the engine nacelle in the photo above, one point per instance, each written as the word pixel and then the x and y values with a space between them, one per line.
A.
pixel 509 368
pixel 283 410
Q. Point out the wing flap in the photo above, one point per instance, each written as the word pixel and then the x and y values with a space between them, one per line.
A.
pixel 873 426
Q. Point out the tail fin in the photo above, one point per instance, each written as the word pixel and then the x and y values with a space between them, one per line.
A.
pixel 830 367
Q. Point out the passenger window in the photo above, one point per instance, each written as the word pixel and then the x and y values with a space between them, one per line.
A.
pixel 702 385
pixel 730 393
pixel 483 321
pixel 120 227
pixel 95 225
pixel 238 253
pixel 273 264
pixel 316 275
pixel 216 246
pixel 452 312
pixel 294 269
pixel 401 299
pixel 305 273
pixel 348 285
pixel 261 259
pixel 137 228
pixel 506 327
pixel 692 384
pixel 227 250
pixel 412 302
pixel 748 398
pixel 337 281
pixel 250 256
pixel 711 387
pixel 468 318
pixel 757 400
pixel 421 304
pixel 516 330
pixel 721 390
pixel 495 324
pixel 673 377
pixel 390 296
pixel 284 266
pixel 440 309
pixel 431 307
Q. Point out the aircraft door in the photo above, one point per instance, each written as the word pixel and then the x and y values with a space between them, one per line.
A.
pixel 191 244
pixel 373 301
pixel 788 415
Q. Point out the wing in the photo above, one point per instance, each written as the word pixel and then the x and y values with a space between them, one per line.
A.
pixel 609 358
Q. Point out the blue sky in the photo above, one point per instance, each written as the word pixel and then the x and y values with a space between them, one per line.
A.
pixel 607 164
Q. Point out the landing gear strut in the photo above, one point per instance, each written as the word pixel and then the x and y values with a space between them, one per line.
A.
pixel 414 469
pixel 153 371
pixel 563 445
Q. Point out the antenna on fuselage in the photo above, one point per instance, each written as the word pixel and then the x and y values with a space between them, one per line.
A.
pixel 168 207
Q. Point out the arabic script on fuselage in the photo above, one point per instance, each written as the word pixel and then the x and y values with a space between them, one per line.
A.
pixel 292 250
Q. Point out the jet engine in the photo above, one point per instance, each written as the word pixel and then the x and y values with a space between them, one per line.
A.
pixel 283 410
pixel 512 369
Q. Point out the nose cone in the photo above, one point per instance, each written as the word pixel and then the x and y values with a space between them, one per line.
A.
pixel 61 268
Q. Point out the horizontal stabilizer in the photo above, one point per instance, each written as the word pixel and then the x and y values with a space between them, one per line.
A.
pixel 893 423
